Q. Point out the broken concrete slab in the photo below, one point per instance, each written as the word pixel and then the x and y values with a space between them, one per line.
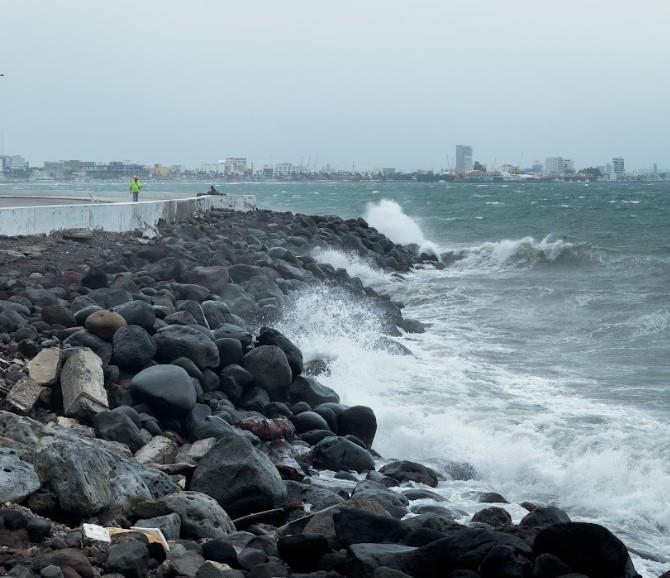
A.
pixel 82 382
pixel 160 450
pixel 24 394
pixel 44 367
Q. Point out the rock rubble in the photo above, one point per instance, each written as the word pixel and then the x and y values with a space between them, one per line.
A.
pixel 143 386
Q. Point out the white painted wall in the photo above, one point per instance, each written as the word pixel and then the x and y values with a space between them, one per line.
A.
pixel 113 217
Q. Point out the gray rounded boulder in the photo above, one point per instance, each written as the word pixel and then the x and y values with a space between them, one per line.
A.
pixel 340 454
pixel 137 313
pixel 242 479
pixel 18 479
pixel 270 368
pixel 183 341
pixel 165 388
pixel 201 516
pixel 132 347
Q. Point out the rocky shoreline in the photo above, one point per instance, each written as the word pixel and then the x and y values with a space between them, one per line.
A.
pixel 143 387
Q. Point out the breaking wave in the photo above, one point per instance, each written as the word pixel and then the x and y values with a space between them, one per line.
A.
pixel 389 218
pixel 525 252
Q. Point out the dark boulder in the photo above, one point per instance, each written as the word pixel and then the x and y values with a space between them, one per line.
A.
pixel 132 348
pixel 216 312
pixel 108 298
pixel 309 390
pixel 302 552
pixel 494 516
pixel 320 498
pixel 129 558
pixel 543 516
pixel 492 498
pixel 200 515
pixel 220 551
pixel 235 332
pixel 230 351
pixel 165 388
pixel 393 502
pixel 241 272
pixel 95 279
pixel 87 479
pixel 504 562
pixel 137 313
pixel 465 549
pixel 406 471
pixel 83 338
pixel 270 368
pixel 358 526
pixel 308 421
pixel 195 310
pixel 338 453
pixel 57 315
pixel 268 336
pixel 117 426
pixel 215 278
pixel 359 421
pixel 81 315
pixel 423 494
pixel 587 549
pixel 241 478
pixel 549 566
pixel 313 437
pixel 185 341
pixel 68 558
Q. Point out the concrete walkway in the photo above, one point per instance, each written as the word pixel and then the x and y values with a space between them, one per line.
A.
pixel 16 201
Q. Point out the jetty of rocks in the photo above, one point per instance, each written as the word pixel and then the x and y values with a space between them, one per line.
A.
pixel 155 423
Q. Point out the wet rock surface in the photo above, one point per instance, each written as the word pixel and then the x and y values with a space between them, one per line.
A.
pixel 149 389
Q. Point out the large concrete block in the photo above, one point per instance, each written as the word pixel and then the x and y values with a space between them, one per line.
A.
pixel 82 382
pixel 44 367
pixel 24 395
pixel 160 450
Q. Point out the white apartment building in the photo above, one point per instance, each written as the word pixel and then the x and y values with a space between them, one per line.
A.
pixel 283 170
pixel 15 163
pixel 558 167
pixel 463 159
pixel 234 166
pixel 618 169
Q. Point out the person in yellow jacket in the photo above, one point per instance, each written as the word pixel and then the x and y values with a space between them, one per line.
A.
pixel 135 188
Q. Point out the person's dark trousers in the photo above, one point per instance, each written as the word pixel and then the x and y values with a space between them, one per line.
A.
pixel 135 195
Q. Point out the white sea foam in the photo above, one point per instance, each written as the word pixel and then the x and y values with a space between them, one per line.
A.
pixel 526 251
pixel 529 437
pixel 389 218
pixel 355 265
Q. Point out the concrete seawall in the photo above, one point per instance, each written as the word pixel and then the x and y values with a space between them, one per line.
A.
pixel 113 217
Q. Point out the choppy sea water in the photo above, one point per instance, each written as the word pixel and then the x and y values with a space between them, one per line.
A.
pixel 546 365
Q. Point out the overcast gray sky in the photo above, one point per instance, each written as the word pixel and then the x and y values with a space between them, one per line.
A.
pixel 378 82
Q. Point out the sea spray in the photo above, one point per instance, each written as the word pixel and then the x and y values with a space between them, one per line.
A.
pixel 389 218
pixel 524 252
pixel 354 264
pixel 526 436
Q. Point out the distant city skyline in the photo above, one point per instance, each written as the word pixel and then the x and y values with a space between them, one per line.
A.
pixel 468 161
pixel 17 167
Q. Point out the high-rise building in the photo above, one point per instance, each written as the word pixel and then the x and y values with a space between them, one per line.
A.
pixel 283 170
pixel 15 163
pixel 618 170
pixel 463 159
pixel 234 166
pixel 558 167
